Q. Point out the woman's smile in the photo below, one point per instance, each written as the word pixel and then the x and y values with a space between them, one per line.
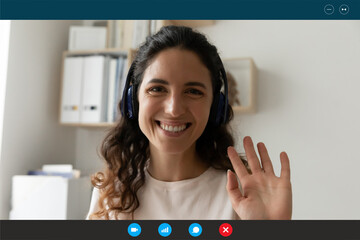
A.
pixel 173 129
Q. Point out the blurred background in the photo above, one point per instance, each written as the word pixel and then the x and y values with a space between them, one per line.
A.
pixel 306 103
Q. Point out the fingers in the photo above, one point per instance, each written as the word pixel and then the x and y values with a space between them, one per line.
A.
pixel 285 166
pixel 265 159
pixel 233 190
pixel 251 155
pixel 237 164
pixel 254 162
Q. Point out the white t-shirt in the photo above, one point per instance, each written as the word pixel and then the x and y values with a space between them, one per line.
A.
pixel 203 198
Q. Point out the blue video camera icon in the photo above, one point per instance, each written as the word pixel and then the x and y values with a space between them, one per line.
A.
pixel 134 229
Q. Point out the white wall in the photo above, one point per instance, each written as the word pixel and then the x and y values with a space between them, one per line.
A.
pixel 31 133
pixel 308 105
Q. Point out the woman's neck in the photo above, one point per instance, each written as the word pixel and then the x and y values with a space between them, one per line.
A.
pixel 175 167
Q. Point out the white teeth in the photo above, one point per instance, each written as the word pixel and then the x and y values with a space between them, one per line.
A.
pixel 173 128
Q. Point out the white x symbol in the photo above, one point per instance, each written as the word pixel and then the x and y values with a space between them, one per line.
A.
pixel 225 229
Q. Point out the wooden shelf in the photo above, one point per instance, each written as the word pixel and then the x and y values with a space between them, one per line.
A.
pixel 101 125
pixel 108 51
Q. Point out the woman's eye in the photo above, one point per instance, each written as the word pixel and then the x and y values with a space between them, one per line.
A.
pixel 154 90
pixel 195 92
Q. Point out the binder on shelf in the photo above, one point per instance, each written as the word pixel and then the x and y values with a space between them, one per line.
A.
pixel 94 89
pixel 71 92
pixel 111 94
pixel 118 93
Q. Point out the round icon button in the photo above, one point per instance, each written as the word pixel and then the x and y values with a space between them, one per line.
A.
pixel 164 229
pixel 329 9
pixel 344 9
pixel 225 229
pixel 195 229
pixel 134 229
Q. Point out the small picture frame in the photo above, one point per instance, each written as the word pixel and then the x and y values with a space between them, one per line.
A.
pixel 242 83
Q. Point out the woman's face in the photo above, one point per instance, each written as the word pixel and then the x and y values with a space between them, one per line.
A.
pixel 175 97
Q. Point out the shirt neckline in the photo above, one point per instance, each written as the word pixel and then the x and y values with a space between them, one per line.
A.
pixel 151 181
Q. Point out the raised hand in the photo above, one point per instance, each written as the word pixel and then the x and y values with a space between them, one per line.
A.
pixel 264 195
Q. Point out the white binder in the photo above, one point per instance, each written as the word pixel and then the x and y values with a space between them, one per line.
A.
pixel 111 93
pixel 71 92
pixel 94 90
pixel 118 92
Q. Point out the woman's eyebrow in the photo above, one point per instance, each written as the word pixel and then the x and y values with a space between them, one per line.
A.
pixel 157 80
pixel 161 81
pixel 199 84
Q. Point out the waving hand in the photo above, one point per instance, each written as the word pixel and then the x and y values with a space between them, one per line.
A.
pixel 264 195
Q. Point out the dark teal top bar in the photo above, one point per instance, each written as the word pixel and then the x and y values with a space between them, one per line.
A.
pixel 179 9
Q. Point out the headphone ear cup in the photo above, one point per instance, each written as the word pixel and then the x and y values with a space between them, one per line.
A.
pixel 212 117
pixel 129 103
pixel 217 113
pixel 220 109
pixel 134 102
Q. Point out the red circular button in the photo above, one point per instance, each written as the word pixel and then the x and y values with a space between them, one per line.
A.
pixel 225 229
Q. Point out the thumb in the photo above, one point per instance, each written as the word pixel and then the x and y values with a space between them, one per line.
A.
pixel 233 190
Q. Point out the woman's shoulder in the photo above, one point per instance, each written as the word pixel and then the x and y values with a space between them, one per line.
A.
pixel 214 177
pixel 216 173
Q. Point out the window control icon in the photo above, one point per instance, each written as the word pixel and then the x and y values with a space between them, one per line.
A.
pixel 344 9
pixel 329 9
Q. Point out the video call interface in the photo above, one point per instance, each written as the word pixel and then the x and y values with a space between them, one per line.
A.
pixel 159 128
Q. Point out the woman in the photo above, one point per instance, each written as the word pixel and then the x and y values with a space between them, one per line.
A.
pixel 170 156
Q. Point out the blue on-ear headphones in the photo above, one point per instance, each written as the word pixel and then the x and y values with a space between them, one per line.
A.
pixel 219 108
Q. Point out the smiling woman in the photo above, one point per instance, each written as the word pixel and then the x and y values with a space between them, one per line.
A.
pixel 167 157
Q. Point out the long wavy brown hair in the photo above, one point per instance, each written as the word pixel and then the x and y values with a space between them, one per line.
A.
pixel 125 148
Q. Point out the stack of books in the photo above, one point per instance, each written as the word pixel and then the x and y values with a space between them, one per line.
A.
pixel 62 170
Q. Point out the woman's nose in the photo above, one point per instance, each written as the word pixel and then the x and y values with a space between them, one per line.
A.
pixel 175 105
